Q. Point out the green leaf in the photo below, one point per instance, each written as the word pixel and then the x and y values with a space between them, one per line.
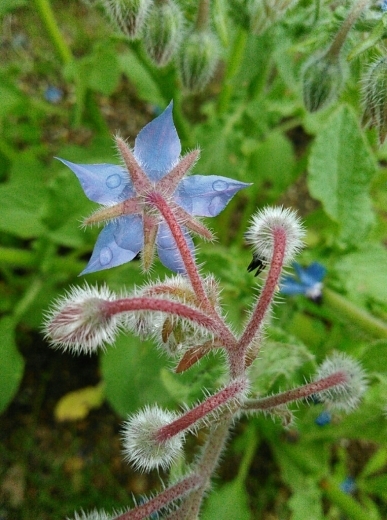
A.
pixel 131 372
pixel 363 273
pixel 7 6
pixel 341 168
pixel 146 86
pixel 11 363
pixel 22 198
pixel 230 501
pixel 104 72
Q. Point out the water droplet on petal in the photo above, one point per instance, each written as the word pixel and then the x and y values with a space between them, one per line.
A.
pixel 105 256
pixel 113 181
pixel 216 205
pixel 220 185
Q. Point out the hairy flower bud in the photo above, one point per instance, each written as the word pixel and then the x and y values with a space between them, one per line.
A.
pixel 163 32
pixel 128 15
pixel 198 59
pixel 141 446
pixel 322 81
pixel 344 396
pixel 260 234
pixel 265 13
pixel 79 322
pixel 375 97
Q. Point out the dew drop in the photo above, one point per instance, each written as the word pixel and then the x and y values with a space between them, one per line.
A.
pixel 113 181
pixel 216 205
pixel 220 185
pixel 105 256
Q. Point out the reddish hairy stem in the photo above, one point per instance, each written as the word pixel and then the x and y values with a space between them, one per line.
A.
pixel 266 297
pixel 196 414
pixel 295 394
pixel 170 307
pixel 163 499
pixel 182 245
pixel 191 268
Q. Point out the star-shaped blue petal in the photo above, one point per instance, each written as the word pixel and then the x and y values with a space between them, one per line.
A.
pixel 308 281
pixel 155 164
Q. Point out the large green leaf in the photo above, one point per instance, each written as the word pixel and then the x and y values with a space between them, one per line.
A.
pixel 131 372
pixel 230 501
pixel 22 199
pixel 11 362
pixel 341 168
pixel 363 273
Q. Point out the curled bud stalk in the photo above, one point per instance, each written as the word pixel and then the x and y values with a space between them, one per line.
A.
pixel 375 97
pixel 344 396
pixel 128 15
pixel 163 32
pixel 261 232
pixel 322 81
pixel 198 59
pixel 142 448
pixel 80 321
pixel 275 235
pixel 173 333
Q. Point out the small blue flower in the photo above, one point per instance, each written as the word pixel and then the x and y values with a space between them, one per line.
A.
pixel 348 485
pixel 308 281
pixel 132 224
pixel 53 94
pixel 323 419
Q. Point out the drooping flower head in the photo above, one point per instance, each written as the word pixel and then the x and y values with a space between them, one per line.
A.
pixel 132 222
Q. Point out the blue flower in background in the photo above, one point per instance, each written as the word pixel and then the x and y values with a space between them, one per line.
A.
pixel 308 281
pixel 348 485
pixel 132 224
pixel 53 94
pixel 323 419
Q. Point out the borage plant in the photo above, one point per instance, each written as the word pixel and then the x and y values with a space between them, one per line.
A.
pixel 149 202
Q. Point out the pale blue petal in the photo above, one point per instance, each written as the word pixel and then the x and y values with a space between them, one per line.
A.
pixel 167 250
pixel 157 146
pixel 102 183
pixel 206 195
pixel 108 253
pixel 310 275
pixel 290 286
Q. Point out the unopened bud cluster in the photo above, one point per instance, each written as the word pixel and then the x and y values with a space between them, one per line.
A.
pixel 166 36
pixel 375 97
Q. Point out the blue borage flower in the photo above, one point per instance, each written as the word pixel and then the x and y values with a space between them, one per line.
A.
pixel 132 224
pixel 323 418
pixel 348 485
pixel 308 281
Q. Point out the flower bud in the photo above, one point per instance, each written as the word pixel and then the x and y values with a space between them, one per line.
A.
pixel 79 321
pixel 141 446
pixel 322 82
pixel 128 15
pixel 344 396
pixel 260 234
pixel 198 59
pixel 265 13
pixel 375 97
pixel 163 32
